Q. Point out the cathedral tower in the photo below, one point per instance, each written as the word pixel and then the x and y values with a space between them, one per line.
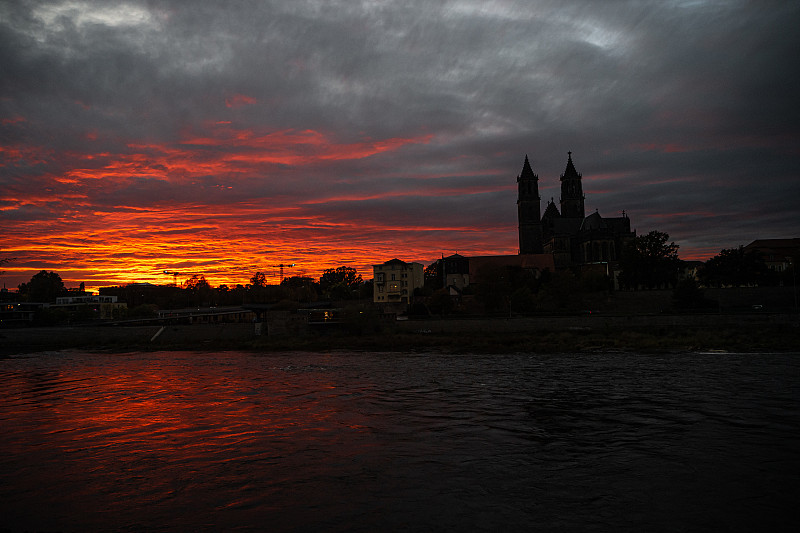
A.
pixel 572 196
pixel 528 212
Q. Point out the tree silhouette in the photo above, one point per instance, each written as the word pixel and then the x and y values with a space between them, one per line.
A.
pixel 296 282
pixel 340 283
pixel 302 288
pixel 735 267
pixel 43 287
pixel 200 290
pixel 433 275
pixel 197 283
pixel 649 261
pixel 258 280
pixel 343 275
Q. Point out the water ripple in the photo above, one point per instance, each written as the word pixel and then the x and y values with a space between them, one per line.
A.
pixel 365 442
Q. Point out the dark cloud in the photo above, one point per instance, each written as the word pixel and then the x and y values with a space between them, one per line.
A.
pixel 328 123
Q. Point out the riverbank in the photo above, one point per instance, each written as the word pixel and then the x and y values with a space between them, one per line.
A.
pixel 779 333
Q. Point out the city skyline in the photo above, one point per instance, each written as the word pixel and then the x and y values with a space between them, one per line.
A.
pixel 203 138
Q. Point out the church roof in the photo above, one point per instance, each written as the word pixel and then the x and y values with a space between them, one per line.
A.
pixel 593 221
pixel 570 172
pixel 551 211
pixel 617 225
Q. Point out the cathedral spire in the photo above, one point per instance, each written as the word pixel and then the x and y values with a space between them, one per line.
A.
pixel 572 198
pixel 570 170
pixel 527 171
pixel 528 211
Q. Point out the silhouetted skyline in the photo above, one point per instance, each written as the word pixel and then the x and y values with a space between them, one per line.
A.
pixel 201 137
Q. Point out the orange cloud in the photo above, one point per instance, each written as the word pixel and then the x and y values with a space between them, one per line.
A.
pixel 62 225
pixel 226 244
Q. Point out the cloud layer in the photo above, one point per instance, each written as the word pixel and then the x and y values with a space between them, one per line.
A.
pixel 229 137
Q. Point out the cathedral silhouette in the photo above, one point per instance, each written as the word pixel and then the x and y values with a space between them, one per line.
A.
pixel 568 234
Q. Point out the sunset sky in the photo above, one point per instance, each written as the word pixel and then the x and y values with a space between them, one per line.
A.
pixel 225 138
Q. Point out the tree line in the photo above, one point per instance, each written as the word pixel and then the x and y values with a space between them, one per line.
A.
pixel 648 261
pixel 341 283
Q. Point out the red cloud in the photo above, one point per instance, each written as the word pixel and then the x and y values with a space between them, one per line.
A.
pixel 668 148
pixel 12 120
pixel 227 151
pixel 239 100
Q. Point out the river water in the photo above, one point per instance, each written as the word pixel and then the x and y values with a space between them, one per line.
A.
pixel 193 441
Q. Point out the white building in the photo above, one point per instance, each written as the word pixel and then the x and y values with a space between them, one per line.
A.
pixel 94 305
pixel 395 280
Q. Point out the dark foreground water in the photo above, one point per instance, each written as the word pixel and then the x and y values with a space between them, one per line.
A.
pixel 373 442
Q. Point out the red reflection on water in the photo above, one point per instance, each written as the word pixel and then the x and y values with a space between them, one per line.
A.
pixel 172 435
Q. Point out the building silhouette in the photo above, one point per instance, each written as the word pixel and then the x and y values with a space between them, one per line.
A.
pixel 779 255
pixel 571 237
pixel 530 224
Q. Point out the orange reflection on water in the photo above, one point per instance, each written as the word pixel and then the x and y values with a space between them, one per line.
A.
pixel 163 399
pixel 183 435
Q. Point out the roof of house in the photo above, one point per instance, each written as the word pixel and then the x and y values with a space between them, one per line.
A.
pixel 394 261
pixel 774 244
